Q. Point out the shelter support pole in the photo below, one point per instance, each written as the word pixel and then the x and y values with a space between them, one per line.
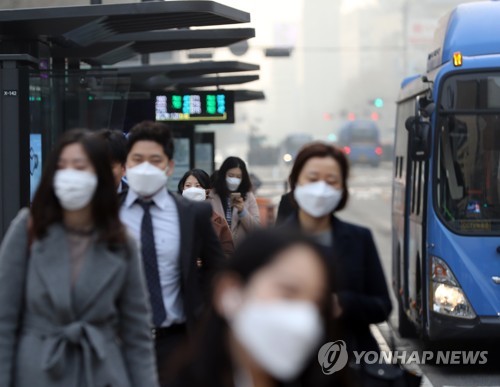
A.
pixel 14 139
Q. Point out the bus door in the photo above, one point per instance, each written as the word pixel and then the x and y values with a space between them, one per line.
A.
pixel 418 176
pixel 400 204
pixel 408 214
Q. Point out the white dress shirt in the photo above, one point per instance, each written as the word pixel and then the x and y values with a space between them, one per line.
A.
pixel 166 228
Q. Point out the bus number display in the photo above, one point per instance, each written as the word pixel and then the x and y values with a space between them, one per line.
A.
pixel 196 106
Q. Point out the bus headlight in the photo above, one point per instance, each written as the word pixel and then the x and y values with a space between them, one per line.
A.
pixel 448 297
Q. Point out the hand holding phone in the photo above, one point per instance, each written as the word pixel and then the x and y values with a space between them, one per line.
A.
pixel 235 195
pixel 237 201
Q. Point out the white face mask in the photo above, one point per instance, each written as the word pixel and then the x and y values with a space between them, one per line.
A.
pixel 233 183
pixel 195 193
pixel 280 336
pixel 317 199
pixel 145 179
pixel 74 188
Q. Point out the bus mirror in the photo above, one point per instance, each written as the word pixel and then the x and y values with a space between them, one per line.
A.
pixel 409 123
pixel 425 106
pixel 418 131
pixel 419 137
pixel 428 110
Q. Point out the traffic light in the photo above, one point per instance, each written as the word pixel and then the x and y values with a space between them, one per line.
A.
pixel 332 137
pixel 378 102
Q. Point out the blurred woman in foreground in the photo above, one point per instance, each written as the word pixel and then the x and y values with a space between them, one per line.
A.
pixel 270 308
pixel 74 310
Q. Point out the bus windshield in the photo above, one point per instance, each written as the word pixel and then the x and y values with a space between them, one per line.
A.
pixel 468 176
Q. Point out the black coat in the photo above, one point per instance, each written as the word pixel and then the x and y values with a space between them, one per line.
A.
pixel 198 241
pixel 359 282
pixel 285 208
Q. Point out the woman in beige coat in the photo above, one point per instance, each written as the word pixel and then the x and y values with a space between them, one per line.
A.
pixel 73 306
pixel 232 198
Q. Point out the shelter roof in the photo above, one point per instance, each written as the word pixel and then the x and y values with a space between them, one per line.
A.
pixel 86 25
pixel 124 46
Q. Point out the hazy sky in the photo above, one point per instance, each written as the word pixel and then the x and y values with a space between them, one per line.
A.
pixel 346 53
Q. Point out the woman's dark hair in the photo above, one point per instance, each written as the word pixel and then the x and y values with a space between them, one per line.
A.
pixel 199 174
pixel 117 144
pixel 152 131
pixel 208 362
pixel 46 208
pixel 220 184
pixel 321 150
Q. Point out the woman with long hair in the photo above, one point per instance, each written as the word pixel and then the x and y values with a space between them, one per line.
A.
pixel 73 307
pixel 233 199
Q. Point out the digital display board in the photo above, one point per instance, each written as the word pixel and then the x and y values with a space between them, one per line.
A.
pixel 195 106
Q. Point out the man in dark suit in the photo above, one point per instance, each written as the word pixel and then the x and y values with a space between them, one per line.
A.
pixel 173 233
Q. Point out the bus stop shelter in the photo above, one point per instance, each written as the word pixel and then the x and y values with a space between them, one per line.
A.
pixel 39 70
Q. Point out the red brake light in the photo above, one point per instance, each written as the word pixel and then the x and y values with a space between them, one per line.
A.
pixel 379 151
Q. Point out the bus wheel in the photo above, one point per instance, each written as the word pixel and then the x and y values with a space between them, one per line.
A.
pixel 405 327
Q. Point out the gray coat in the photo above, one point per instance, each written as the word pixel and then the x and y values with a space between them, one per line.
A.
pixel 96 334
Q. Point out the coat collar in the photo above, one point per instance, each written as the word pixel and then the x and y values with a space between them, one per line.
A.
pixel 50 256
pixel 160 198
pixel 216 200
pixel 51 259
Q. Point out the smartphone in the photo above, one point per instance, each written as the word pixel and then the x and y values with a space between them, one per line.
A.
pixel 235 195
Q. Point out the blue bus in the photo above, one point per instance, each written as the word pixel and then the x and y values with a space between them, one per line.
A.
pixel 360 140
pixel 446 183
